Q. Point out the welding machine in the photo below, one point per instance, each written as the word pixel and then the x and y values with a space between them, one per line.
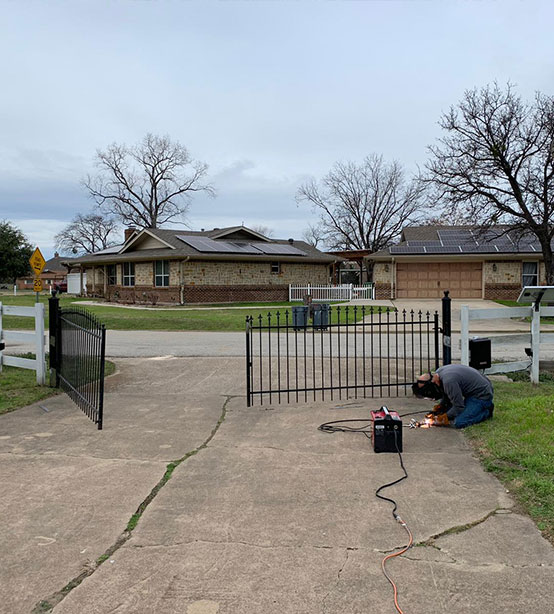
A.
pixel 386 433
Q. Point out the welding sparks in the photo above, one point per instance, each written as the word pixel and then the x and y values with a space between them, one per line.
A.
pixel 426 423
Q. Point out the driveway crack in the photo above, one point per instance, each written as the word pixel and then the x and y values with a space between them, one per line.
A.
pixel 48 604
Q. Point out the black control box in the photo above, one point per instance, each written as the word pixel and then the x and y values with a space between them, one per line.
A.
pixel 386 434
pixel 480 353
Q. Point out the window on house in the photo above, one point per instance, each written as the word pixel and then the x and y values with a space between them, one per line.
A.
pixel 276 267
pixel 128 273
pixel 112 275
pixel 530 274
pixel 161 273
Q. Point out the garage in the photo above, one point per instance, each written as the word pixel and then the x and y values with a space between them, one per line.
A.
pixel 430 279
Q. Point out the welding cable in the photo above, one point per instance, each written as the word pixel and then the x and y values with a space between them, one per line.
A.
pixel 337 426
pixel 400 521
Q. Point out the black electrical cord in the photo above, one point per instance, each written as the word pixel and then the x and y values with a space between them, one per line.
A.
pixel 329 427
pixel 395 515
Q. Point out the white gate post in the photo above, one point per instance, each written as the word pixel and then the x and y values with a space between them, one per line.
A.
pixel 39 337
pixel 290 293
pixel 464 317
pixel 535 344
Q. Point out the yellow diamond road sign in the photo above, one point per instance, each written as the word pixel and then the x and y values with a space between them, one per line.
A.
pixel 37 261
pixel 37 285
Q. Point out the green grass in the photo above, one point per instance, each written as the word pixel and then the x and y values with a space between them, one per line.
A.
pixel 120 318
pixel 517 446
pixel 512 303
pixel 18 387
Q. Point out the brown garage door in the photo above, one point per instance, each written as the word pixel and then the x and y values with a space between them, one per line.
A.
pixel 429 280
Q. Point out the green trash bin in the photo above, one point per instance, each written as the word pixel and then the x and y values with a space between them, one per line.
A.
pixel 300 317
pixel 321 315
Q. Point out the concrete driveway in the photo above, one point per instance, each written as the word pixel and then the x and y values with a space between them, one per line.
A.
pixel 264 514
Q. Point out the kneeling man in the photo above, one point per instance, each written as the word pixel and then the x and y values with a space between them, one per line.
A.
pixel 465 395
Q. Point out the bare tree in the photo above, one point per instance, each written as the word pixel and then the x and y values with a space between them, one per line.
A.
pixel 313 235
pixel 86 234
pixel 148 184
pixel 266 231
pixel 363 206
pixel 496 163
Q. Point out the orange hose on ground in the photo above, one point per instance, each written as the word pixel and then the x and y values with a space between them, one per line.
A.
pixel 391 556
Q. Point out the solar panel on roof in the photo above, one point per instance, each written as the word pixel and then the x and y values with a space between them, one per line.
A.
pixel 279 249
pixel 406 249
pixel 205 244
pixel 444 249
pixel 422 243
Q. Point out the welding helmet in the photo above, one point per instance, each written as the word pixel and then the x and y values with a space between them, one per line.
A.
pixel 427 389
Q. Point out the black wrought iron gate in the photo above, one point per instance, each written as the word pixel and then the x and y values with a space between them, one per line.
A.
pixel 354 352
pixel 77 357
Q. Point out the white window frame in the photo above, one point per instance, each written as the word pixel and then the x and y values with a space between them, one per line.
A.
pixel 129 274
pixel 532 278
pixel 277 266
pixel 161 279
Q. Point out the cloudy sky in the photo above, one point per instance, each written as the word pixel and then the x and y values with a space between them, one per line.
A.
pixel 267 93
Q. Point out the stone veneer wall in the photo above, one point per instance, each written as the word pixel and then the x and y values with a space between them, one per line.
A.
pixel 382 280
pixel 209 272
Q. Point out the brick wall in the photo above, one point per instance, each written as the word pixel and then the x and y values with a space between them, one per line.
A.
pixel 382 291
pixel 506 292
pixel 146 295
pixel 197 294
pixel 230 294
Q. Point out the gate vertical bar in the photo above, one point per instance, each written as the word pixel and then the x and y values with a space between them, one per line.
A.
pixel 437 344
pixel 102 364
pixel 446 328
pixel 248 363
pixel 53 323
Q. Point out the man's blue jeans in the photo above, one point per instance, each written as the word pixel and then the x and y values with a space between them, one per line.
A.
pixel 476 410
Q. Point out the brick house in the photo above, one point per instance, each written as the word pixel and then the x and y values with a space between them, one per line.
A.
pixel 219 265
pixel 54 272
pixel 468 261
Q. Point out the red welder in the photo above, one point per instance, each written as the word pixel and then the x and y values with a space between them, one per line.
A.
pixel 386 433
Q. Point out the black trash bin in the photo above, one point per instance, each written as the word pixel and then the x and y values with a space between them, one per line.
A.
pixel 300 317
pixel 321 315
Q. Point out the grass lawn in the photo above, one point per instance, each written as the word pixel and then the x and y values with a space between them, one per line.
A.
pixel 120 318
pixel 517 446
pixel 18 387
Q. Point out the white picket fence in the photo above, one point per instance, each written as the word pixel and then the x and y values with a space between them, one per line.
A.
pixel 346 292
pixel 36 338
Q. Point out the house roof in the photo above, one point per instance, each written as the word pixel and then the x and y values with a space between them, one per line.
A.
pixel 232 243
pixel 460 241
pixel 54 265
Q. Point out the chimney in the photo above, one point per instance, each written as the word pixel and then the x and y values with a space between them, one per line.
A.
pixel 129 232
pixel 291 241
pixel 56 255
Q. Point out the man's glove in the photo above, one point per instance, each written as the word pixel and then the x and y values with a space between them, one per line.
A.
pixel 441 420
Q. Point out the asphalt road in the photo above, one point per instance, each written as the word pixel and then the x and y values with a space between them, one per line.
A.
pixel 127 344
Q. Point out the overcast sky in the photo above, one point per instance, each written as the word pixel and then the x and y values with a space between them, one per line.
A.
pixel 266 93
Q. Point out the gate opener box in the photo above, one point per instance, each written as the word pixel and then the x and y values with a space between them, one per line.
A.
pixel 386 433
